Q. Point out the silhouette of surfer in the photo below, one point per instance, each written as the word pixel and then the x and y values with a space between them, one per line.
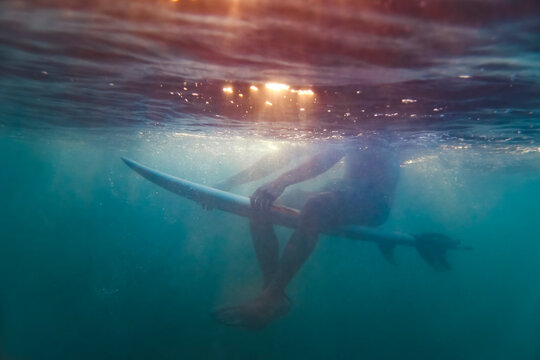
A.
pixel 363 196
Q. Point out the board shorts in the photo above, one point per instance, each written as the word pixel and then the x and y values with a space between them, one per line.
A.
pixel 348 206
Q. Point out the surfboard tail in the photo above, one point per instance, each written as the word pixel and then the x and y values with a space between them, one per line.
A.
pixel 432 248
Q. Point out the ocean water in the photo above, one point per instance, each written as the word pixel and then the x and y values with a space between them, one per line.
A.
pixel 98 263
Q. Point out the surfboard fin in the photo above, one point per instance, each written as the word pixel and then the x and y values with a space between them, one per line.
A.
pixel 387 251
pixel 432 248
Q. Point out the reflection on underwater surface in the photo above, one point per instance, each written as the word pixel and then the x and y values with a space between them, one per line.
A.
pixel 463 63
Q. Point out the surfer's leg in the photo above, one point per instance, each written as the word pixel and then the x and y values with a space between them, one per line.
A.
pixel 264 237
pixel 266 248
pixel 321 212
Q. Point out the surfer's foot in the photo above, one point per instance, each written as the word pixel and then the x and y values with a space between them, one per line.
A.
pixel 255 314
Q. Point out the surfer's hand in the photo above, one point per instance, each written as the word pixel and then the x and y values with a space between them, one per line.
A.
pixel 264 196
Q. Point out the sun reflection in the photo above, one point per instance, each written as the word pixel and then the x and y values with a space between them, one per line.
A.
pixel 277 86
pixel 303 92
pixel 408 101
pixel 271 99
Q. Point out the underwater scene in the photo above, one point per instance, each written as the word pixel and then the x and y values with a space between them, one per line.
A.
pixel 254 179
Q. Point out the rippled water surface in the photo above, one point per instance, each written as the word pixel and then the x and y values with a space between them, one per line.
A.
pixel 375 62
pixel 97 263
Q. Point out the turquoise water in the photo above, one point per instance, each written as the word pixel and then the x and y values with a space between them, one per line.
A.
pixel 98 263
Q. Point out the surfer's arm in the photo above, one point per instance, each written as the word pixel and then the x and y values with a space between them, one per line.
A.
pixel 263 167
pixel 265 195
pixel 315 166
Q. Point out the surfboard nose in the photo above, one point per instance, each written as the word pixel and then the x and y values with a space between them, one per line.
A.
pixel 127 161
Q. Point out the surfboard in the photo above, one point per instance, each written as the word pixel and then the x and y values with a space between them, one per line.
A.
pixel 288 217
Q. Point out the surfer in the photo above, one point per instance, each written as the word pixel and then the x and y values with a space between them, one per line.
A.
pixel 363 196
